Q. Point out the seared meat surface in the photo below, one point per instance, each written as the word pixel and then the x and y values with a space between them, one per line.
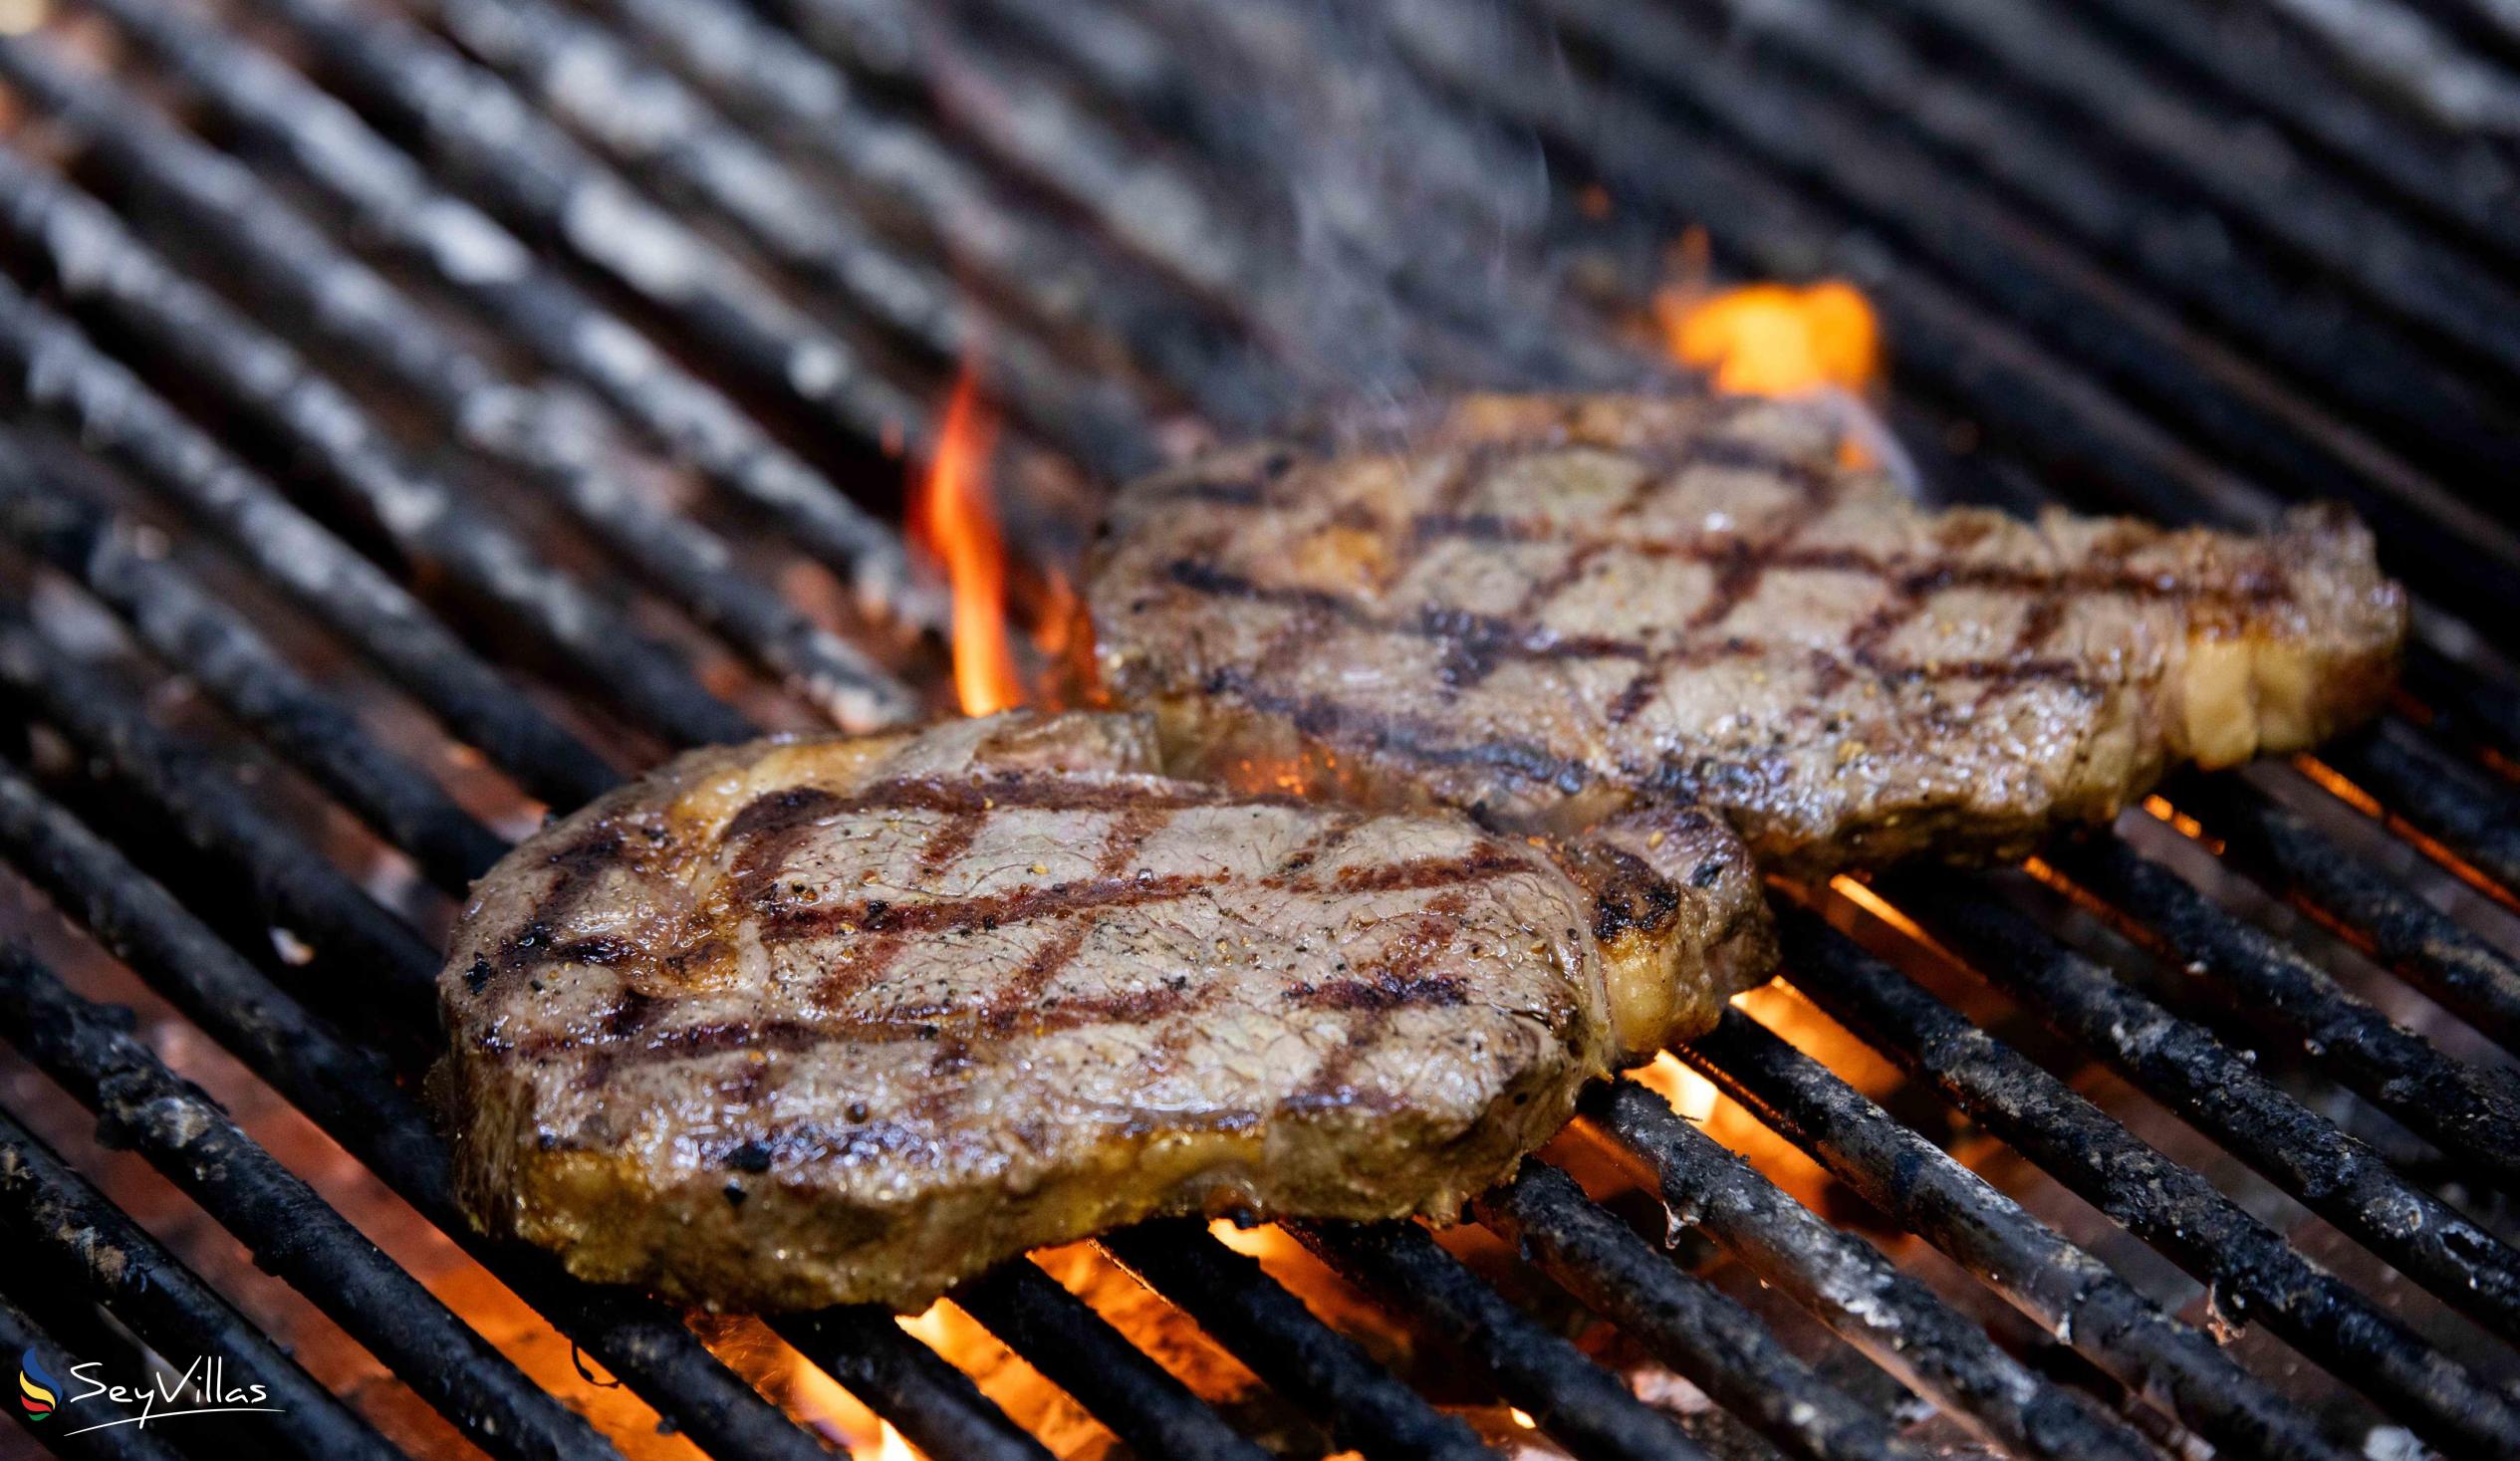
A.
pixel 836 1020
pixel 1560 611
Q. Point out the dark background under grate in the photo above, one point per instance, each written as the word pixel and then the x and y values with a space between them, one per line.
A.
pixel 427 413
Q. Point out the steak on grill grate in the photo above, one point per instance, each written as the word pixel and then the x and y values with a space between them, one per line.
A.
pixel 1554 610
pixel 836 1020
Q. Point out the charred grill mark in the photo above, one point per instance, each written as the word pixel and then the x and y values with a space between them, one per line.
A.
pixel 1473 644
pixel 1378 992
pixel 1426 872
pixel 1905 602
pixel 1401 736
pixel 1202 576
pixel 636 1011
pixel 1476 637
pixel 1641 901
pixel 951 839
pixel 2045 617
pixel 1011 791
pixel 627 1037
pixel 1544 592
pixel 1738 572
pixel 2243 589
pixel 1570 570
pixel 1127 838
pixel 1467 473
pixel 1739 567
pixel 983 914
pixel 994 911
pixel 1223 491
pixel 1335 829
pixel 576 869
pixel 781 811
pixel 1395 980
pixel 607 1054
pixel 770 826
pixel 1215 494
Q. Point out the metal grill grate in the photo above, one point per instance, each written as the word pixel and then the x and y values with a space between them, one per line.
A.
pixel 514 355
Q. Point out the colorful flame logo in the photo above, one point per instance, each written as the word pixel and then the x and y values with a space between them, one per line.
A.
pixel 37 1390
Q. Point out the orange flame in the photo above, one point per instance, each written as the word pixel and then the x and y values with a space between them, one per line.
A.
pixel 1774 339
pixel 1692 1095
pixel 954 518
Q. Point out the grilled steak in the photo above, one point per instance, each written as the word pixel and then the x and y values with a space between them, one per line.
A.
pixel 1553 611
pixel 834 1020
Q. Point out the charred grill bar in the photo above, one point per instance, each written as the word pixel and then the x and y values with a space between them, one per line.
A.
pixel 1117 285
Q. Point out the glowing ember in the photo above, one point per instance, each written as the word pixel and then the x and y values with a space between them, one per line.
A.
pixel 1774 339
pixel 1690 1095
pixel 1871 902
pixel 891 1446
pixel 2188 827
pixel 952 518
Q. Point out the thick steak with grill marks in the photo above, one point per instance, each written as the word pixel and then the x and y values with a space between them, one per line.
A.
pixel 836 1020
pixel 1553 611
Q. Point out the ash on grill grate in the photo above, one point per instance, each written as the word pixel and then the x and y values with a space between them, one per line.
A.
pixel 453 394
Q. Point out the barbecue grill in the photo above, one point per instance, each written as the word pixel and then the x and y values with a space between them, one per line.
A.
pixel 429 412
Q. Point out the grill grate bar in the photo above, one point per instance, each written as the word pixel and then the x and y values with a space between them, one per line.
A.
pixel 2385 375
pixel 1184 225
pixel 294 887
pixel 935 1404
pixel 1811 133
pixel 1686 1323
pixel 2471 1110
pixel 647 121
pixel 92 258
pixel 2468 814
pixel 1078 1351
pixel 761 73
pixel 474 128
pixel 345 1092
pixel 2302 207
pixel 391 198
pixel 2078 1297
pixel 57 1218
pixel 1270 1330
pixel 2424 946
pixel 1154 59
pixel 2248 1269
pixel 342 1090
pixel 1848 1286
pixel 2218 393
pixel 2215 1090
pixel 223 653
pixel 91 395
pixel 1574 1401
pixel 2270 69
pixel 22 1335
pixel 563 443
pixel 293 1233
